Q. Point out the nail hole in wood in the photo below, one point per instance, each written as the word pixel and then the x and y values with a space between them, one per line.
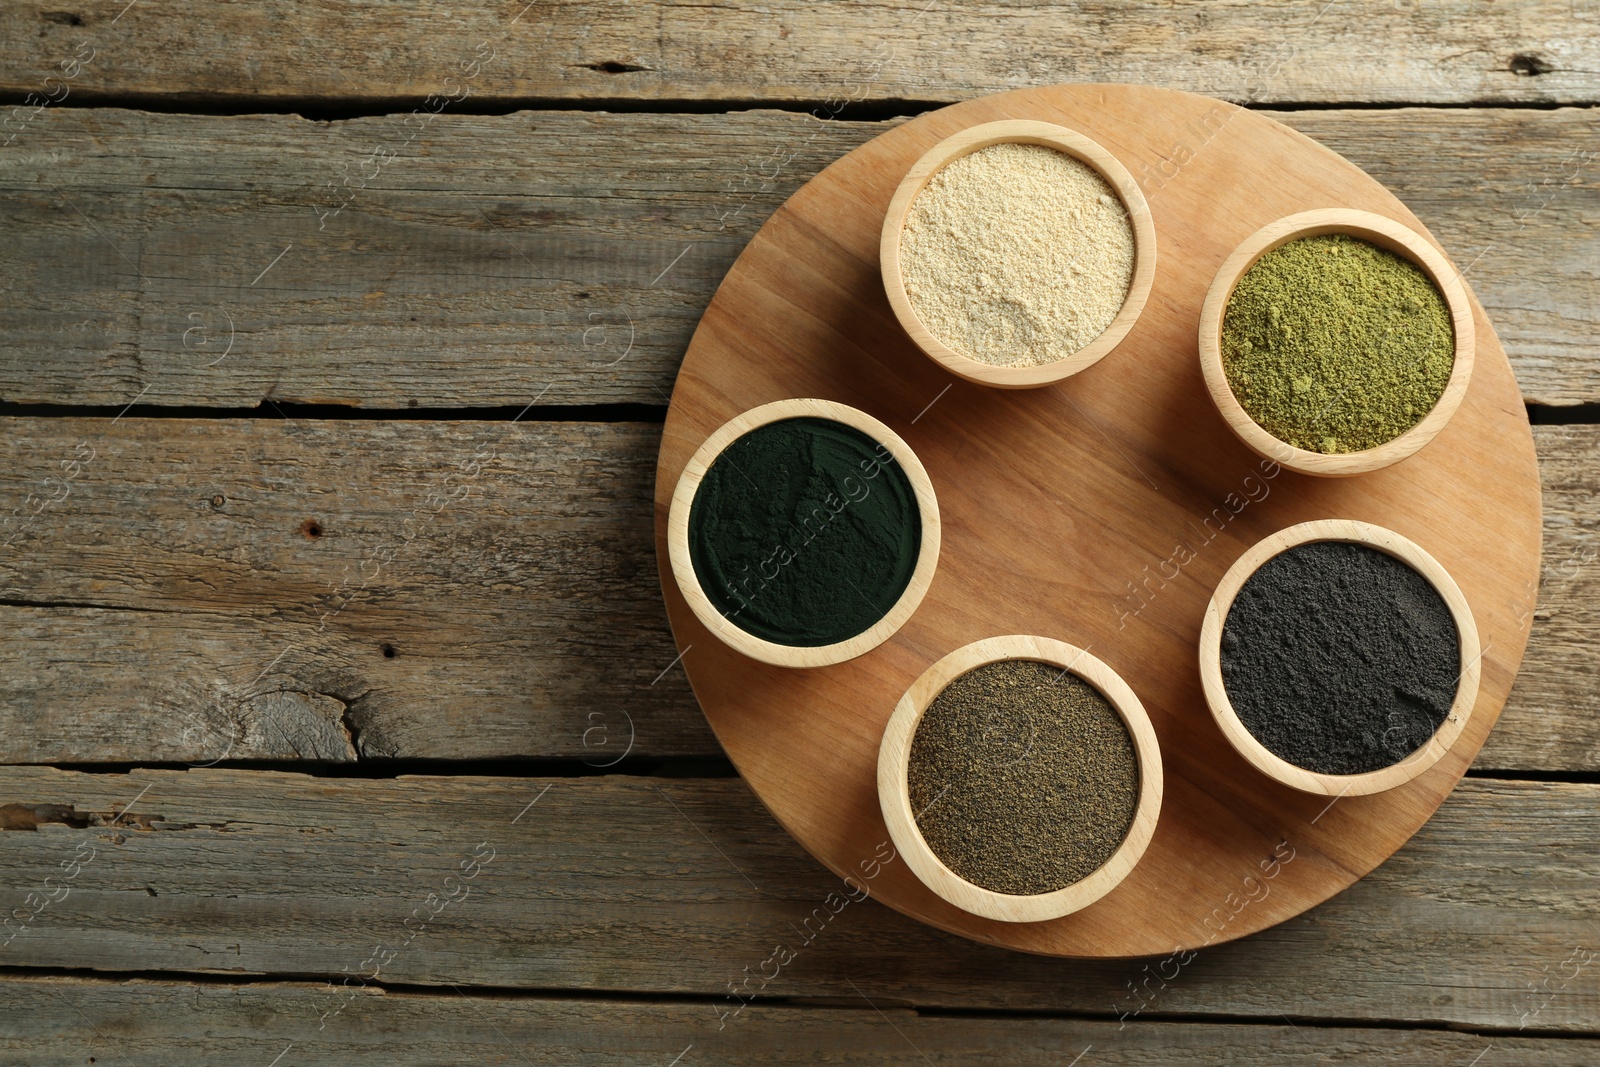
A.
pixel 388 652
pixel 311 528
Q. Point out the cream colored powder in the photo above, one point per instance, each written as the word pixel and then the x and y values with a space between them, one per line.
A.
pixel 1017 254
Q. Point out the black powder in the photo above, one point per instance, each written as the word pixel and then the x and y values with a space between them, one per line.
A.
pixel 1339 658
pixel 1024 777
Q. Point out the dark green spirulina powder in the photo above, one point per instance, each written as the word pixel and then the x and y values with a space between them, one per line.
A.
pixel 804 532
pixel 1024 776
pixel 1339 658
pixel 1336 345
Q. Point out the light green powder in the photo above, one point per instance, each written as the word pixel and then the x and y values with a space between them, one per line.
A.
pixel 1335 345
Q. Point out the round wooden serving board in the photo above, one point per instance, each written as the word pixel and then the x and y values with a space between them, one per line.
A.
pixel 1058 503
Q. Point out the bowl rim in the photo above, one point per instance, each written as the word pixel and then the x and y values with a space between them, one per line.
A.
pixel 801 655
pixel 894 795
pixel 1020 131
pixel 1270 763
pixel 1376 229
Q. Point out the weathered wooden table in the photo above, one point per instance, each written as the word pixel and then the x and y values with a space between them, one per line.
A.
pixel 340 717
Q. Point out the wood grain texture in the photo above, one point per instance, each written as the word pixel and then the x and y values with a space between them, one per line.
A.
pixel 1567 597
pixel 139 621
pixel 264 589
pixel 504 257
pixel 1462 51
pixel 498 258
pixel 683 887
pixel 195 1025
pixel 1115 483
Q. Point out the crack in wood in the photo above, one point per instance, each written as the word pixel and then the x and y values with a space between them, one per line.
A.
pixel 18 816
pixel 614 67
pixel 78 605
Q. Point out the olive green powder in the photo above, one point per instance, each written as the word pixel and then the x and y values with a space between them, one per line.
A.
pixel 1024 777
pixel 1333 344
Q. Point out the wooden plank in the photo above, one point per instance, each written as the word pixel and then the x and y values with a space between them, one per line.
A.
pixel 688 887
pixel 1456 52
pixel 63 1021
pixel 1556 682
pixel 280 590
pixel 519 270
pixel 140 620
pixel 568 256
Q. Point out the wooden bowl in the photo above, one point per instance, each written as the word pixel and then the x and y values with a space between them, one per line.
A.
pixel 797 655
pixel 1385 233
pixel 894 793
pixel 1019 131
pixel 1269 762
